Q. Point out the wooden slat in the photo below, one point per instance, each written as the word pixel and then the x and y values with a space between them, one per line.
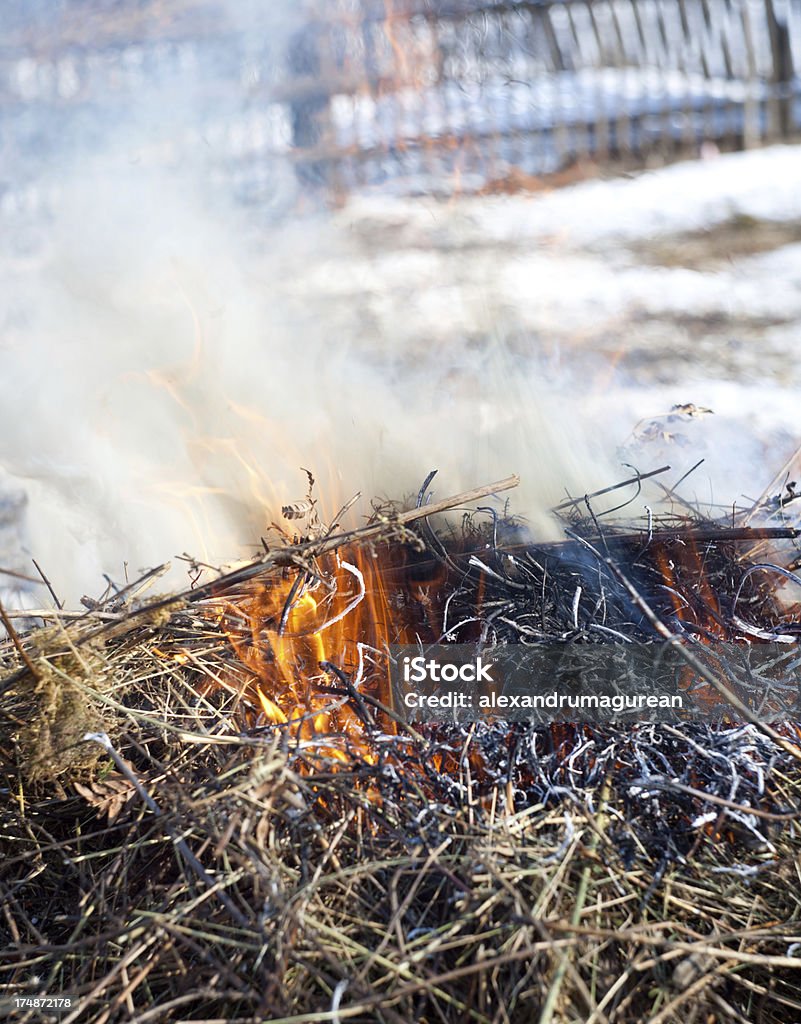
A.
pixel 354 52
pixel 752 134
pixel 781 102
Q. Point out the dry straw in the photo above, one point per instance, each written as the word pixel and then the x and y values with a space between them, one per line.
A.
pixel 167 855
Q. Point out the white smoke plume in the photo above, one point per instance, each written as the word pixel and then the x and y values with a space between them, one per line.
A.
pixel 170 360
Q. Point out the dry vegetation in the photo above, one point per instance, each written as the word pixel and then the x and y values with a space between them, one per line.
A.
pixel 165 854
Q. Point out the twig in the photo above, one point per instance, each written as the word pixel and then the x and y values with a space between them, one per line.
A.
pixel 61 614
pixel 18 575
pixel 18 643
pixel 349 690
pixel 668 1012
pixel 723 533
pixel 48 584
pixel 775 482
pixel 606 490
pixel 674 784
pixel 684 476
pixel 459 499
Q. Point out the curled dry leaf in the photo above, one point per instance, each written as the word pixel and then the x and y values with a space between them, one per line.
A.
pixel 109 797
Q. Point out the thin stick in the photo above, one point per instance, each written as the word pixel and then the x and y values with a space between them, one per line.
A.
pixel 52 613
pixel 18 643
pixel 775 482
pixel 18 575
pixel 670 493
pixel 659 782
pixel 459 499
pixel 716 533
pixel 606 490
pixel 48 584
pixel 684 476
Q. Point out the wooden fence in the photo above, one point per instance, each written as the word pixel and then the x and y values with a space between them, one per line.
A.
pixel 400 94
pixel 433 94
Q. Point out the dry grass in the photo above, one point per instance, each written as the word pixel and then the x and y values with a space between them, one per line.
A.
pixel 243 875
pixel 165 854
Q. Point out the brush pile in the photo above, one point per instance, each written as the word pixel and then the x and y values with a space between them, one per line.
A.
pixel 178 843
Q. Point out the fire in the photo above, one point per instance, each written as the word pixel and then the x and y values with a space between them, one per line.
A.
pixel 697 605
pixel 699 608
pixel 311 631
pixel 306 632
pixel 705 607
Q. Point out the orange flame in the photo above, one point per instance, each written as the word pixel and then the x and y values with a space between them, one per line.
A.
pixel 306 632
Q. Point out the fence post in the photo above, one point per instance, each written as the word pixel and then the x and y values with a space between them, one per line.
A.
pixel 780 119
pixel 309 107
pixel 752 129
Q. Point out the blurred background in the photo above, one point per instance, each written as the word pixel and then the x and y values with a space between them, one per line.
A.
pixel 411 96
pixel 375 237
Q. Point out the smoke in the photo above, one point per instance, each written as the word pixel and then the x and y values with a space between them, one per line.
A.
pixel 172 356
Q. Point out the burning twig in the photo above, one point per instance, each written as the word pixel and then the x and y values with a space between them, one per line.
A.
pixel 355 571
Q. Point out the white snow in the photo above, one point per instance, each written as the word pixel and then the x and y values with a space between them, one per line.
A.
pixel 689 196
